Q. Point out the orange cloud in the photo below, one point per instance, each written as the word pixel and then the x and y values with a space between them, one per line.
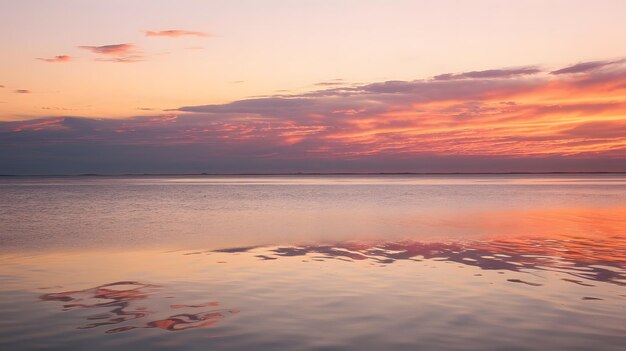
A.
pixel 22 91
pixel 174 33
pixel 520 112
pixel 59 58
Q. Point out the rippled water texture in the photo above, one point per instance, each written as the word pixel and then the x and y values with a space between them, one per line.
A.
pixel 313 263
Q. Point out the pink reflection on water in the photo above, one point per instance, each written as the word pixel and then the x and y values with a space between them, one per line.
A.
pixel 596 259
pixel 123 304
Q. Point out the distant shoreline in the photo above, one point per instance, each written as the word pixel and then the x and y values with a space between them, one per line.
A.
pixel 301 174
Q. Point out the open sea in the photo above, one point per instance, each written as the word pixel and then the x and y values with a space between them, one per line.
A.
pixel 393 262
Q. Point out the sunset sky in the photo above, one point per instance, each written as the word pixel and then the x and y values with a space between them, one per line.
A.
pixel 312 86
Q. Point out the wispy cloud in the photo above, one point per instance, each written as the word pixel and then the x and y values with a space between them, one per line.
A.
pixel 491 73
pixel 22 91
pixel 125 59
pixel 120 53
pixel 174 33
pixel 587 67
pixel 330 83
pixel 112 50
pixel 59 58
pixel 56 108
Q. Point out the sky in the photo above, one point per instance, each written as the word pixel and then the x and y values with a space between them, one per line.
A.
pixel 93 86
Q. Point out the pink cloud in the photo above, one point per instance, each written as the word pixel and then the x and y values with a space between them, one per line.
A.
pixel 121 53
pixel 112 50
pixel 174 33
pixel 59 58
pixel 38 125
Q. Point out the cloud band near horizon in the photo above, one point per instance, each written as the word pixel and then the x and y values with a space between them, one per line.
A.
pixel 503 119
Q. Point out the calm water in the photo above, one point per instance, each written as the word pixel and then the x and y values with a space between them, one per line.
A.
pixel 313 263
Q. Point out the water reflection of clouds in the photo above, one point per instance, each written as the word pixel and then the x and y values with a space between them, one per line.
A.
pixel 123 302
pixel 592 259
pixel 586 262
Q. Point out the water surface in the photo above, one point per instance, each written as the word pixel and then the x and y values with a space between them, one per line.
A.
pixel 313 263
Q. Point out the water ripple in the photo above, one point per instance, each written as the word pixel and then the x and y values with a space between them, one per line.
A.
pixel 602 260
pixel 123 302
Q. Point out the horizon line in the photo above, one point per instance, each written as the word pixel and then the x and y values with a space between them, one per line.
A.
pixel 306 174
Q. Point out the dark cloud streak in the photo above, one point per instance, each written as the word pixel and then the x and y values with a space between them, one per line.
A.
pixel 490 74
pixel 57 59
pixel 585 67
pixel 113 49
